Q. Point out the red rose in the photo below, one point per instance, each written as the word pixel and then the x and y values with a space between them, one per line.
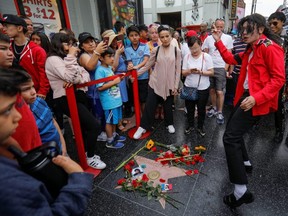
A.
pixel 131 163
pixel 189 172
pixel 145 178
pixel 135 183
pixel 196 171
pixel 182 159
pixel 154 149
pixel 121 181
pixel 128 168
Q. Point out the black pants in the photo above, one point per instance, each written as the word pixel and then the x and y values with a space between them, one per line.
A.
pixel 90 127
pixel 203 96
pixel 238 124
pixel 151 103
pixel 280 113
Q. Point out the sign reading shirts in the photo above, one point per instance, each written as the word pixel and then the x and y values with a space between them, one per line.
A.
pixel 44 15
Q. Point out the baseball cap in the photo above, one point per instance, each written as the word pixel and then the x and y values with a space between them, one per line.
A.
pixel 84 36
pixel 13 19
pixel 191 33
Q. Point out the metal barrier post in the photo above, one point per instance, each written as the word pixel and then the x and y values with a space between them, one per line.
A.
pixel 77 131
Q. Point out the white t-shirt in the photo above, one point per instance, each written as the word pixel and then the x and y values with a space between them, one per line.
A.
pixel 213 51
pixel 185 50
pixel 192 79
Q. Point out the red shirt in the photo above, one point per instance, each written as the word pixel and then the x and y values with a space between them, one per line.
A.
pixel 143 40
pixel 33 59
pixel 266 73
pixel 203 37
pixel 26 134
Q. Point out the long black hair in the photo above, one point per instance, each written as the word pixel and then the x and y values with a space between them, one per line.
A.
pixel 257 20
pixel 57 46
pixel 45 42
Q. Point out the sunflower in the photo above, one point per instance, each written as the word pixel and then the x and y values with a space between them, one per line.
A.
pixel 150 144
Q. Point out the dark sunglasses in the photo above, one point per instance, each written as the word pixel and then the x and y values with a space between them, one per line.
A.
pixel 219 19
pixel 273 23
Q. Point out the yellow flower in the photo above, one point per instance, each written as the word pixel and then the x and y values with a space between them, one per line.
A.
pixel 149 144
pixel 200 148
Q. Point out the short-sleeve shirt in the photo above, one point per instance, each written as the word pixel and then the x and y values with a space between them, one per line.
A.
pixel 136 56
pixel 213 51
pixel 44 120
pixel 110 98
pixel 190 62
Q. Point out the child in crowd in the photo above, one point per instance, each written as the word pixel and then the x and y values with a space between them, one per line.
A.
pixel 22 194
pixel 137 56
pixel 143 29
pixel 110 98
pixel 47 126
pixel 32 139
pixel 120 29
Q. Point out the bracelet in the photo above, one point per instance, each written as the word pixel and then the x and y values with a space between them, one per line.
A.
pixel 96 53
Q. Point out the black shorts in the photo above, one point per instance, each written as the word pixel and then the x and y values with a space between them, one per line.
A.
pixel 143 90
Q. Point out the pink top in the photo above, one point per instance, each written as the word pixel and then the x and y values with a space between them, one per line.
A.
pixel 167 70
pixel 60 70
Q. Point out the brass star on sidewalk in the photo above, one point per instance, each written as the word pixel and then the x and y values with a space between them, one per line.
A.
pixel 156 171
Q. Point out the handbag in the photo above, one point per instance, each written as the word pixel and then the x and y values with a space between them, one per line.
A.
pixel 191 93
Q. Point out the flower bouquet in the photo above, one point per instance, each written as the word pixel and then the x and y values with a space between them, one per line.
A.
pixel 145 186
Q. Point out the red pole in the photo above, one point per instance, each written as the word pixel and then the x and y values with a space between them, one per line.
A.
pixel 136 98
pixel 77 131
pixel 136 107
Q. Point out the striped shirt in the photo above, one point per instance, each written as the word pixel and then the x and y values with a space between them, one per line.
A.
pixel 238 47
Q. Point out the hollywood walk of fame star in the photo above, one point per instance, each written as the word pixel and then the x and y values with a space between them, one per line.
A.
pixel 156 171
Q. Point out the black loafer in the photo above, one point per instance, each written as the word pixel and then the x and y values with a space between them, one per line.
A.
pixel 248 169
pixel 230 200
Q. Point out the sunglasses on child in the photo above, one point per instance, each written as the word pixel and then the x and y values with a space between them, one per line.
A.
pixel 273 23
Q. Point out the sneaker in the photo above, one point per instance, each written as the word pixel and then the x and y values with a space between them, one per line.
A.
pixel 120 138
pixel 220 118
pixel 115 144
pixel 188 130
pixel 95 156
pixel 171 129
pixel 211 112
pixel 96 163
pixel 102 137
pixel 139 133
pixel 201 132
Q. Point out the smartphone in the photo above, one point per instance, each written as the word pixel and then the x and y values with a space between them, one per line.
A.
pixel 119 43
pixel 106 40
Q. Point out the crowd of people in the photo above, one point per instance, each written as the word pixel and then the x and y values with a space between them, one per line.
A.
pixel 33 95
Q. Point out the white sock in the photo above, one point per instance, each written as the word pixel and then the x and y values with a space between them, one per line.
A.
pixel 239 191
pixel 247 163
pixel 110 139
pixel 114 134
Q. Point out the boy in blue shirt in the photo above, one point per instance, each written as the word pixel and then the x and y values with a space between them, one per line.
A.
pixel 48 128
pixel 110 98
pixel 137 55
